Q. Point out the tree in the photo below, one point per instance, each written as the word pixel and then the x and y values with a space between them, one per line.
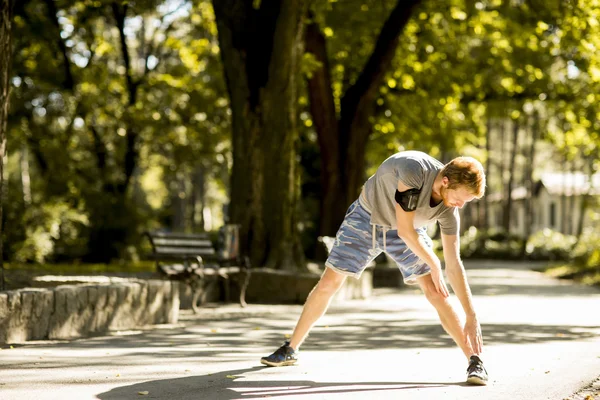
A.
pixel 514 149
pixel 535 128
pixel 430 96
pixel 260 44
pixel 122 144
pixel 5 60
pixel 343 136
pixel 111 98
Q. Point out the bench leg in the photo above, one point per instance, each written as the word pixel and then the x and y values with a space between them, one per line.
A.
pixel 201 292
pixel 244 287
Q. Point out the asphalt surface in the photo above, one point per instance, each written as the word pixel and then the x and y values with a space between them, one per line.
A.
pixel 541 338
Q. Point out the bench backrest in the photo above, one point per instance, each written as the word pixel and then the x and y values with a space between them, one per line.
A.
pixel 168 245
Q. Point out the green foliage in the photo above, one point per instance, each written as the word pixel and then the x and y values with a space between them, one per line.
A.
pixel 75 107
pixel 586 253
pixel 99 130
pixel 51 229
pixel 584 264
pixel 72 268
pixel 545 245
pixel 479 244
pixel 550 245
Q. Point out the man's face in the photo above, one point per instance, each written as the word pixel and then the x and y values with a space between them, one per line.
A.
pixel 456 197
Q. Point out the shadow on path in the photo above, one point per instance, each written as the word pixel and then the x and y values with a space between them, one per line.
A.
pixel 226 385
pixel 188 345
pixel 362 333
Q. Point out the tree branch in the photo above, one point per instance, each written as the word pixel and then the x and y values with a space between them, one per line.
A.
pixel 36 148
pixel 100 150
pixel 529 95
pixel 379 62
pixel 120 12
pixel 322 104
pixel 53 16
pixel 484 97
pixel 131 152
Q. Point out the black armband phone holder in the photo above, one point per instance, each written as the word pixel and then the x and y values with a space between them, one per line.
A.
pixel 408 199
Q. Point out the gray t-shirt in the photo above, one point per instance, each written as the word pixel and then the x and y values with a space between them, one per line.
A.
pixel 415 170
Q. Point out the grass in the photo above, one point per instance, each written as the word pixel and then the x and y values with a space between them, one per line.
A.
pixel 20 275
pixel 80 268
pixel 585 275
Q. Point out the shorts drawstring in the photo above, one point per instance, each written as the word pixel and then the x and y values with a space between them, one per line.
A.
pixel 384 230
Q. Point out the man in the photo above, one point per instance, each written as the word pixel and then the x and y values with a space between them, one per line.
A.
pixel 409 190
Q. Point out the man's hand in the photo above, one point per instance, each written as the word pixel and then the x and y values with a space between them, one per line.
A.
pixel 438 281
pixel 473 336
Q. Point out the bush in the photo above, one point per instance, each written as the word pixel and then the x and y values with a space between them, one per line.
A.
pixel 586 253
pixel 476 243
pixel 50 229
pixel 471 242
pixel 550 245
pixel 544 245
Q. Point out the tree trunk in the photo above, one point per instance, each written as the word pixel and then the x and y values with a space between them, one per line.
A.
pixel 585 198
pixel 343 140
pixel 260 48
pixel 569 228
pixel 488 162
pixel 198 199
pixel 563 197
pixel 583 206
pixel 131 152
pixel 511 176
pixel 25 177
pixel 52 11
pixel 5 61
pixel 110 229
pixel 502 127
pixel 179 202
pixel 322 108
pixel 529 183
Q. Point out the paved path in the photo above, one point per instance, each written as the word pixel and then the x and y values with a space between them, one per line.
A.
pixel 542 341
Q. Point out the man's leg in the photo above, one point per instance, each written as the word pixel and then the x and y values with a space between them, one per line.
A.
pixel 448 316
pixel 476 373
pixel 316 304
pixel 350 254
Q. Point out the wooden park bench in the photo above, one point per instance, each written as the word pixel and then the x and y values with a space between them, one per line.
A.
pixel 192 258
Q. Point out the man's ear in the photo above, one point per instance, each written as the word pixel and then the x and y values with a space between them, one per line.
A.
pixel 445 181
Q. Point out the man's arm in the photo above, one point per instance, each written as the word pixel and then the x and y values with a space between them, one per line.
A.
pixel 455 271
pixel 406 231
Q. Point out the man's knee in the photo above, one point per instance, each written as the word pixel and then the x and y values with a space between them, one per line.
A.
pixel 330 281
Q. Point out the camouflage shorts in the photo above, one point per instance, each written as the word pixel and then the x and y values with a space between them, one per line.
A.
pixel 354 247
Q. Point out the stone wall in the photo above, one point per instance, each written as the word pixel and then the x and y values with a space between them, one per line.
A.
pixel 72 311
pixel 78 310
pixel 284 287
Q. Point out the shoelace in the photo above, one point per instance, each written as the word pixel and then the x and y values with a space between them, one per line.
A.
pixel 285 349
pixel 476 366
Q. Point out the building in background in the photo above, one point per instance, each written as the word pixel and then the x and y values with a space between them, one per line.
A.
pixel 557 203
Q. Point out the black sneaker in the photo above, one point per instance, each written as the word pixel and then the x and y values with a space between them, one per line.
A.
pixel 283 356
pixel 476 373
